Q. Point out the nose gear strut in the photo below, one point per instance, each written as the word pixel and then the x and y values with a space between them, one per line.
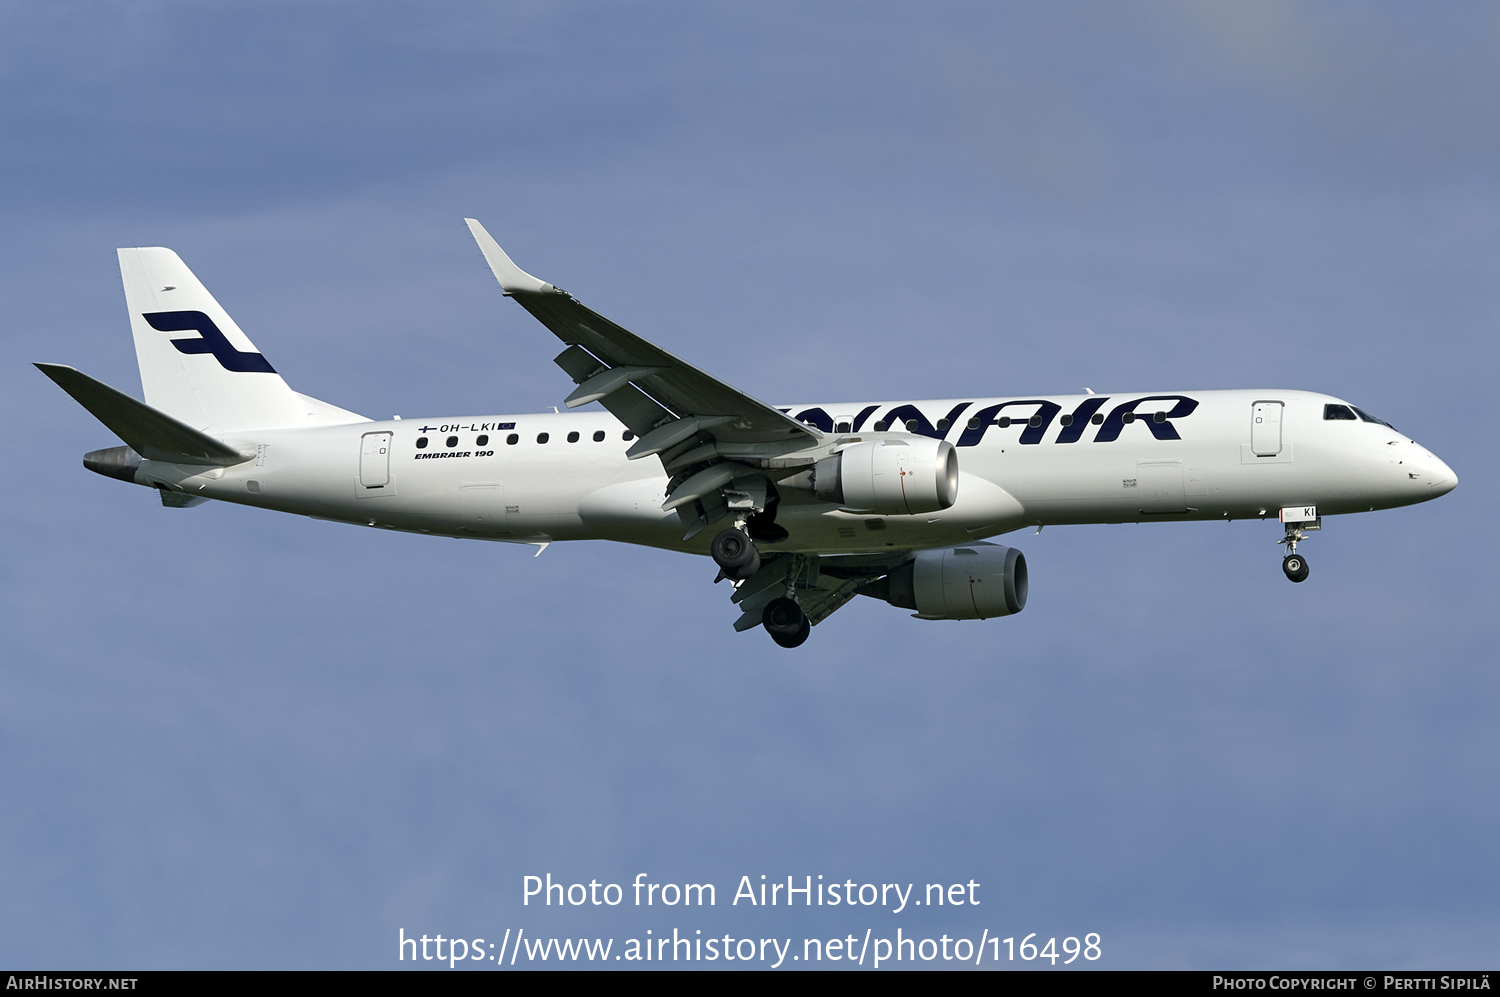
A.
pixel 1294 564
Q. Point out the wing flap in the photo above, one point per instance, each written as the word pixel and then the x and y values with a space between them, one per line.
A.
pixel 819 594
pixel 606 383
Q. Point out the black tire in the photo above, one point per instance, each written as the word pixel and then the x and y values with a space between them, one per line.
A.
pixel 1295 566
pixel 783 616
pixel 734 553
pixel 795 639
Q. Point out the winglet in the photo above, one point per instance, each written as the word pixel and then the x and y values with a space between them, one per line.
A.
pixel 511 277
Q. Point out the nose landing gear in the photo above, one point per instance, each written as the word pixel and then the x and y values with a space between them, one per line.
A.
pixel 1294 564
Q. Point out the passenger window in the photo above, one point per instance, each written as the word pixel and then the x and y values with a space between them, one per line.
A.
pixel 512 440
pixel 1034 421
pixel 943 424
pixel 974 422
pixel 842 427
pixel 1128 418
pixel 1098 419
pixel 1158 417
pixel 1065 421
pixel 421 443
pixel 542 437
pixel 911 425
pixel 481 441
pixel 572 437
pixel 599 436
pixel 451 441
pixel 881 427
pixel 627 436
pixel 1336 413
pixel 1003 422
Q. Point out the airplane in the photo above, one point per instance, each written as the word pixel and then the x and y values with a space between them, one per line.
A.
pixel 801 507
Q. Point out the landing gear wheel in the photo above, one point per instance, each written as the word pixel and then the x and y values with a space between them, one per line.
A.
pixel 785 622
pixel 792 639
pixel 783 616
pixel 1295 566
pixel 735 554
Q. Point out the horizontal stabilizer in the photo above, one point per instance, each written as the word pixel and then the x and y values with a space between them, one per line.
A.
pixel 151 433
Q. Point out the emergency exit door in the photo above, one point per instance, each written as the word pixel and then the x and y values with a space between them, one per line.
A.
pixel 375 460
pixel 1265 429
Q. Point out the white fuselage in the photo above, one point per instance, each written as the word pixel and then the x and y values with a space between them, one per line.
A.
pixel 1222 464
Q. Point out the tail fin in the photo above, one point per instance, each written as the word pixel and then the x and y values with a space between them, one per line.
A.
pixel 196 364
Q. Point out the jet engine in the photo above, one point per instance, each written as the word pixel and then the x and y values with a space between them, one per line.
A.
pixel 973 582
pixel 896 477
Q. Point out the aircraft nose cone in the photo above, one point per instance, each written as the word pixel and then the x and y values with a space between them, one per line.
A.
pixel 1443 478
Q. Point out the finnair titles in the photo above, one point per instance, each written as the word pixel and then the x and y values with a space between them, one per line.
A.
pixel 801 507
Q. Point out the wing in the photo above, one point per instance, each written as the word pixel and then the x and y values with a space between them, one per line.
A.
pixel 663 400
pixel 722 449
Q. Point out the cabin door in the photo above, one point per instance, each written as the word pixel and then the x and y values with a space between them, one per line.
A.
pixel 375 460
pixel 1265 429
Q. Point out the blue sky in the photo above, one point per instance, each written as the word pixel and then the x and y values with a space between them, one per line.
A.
pixel 232 738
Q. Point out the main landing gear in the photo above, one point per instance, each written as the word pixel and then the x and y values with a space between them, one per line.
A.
pixel 1294 564
pixel 737 558
pixel 735 555
pixel 785 622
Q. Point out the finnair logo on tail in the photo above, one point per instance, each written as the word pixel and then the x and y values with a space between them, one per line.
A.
pixel 213 341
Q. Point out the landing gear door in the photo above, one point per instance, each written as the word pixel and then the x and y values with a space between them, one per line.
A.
pixel 1265 428
pixel 374 462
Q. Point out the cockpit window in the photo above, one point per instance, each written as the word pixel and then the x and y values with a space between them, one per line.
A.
pixel 1335 412
pixel 1367 417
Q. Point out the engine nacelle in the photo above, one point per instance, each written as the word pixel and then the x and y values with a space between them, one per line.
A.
pixel 895 477
pixel 972 582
